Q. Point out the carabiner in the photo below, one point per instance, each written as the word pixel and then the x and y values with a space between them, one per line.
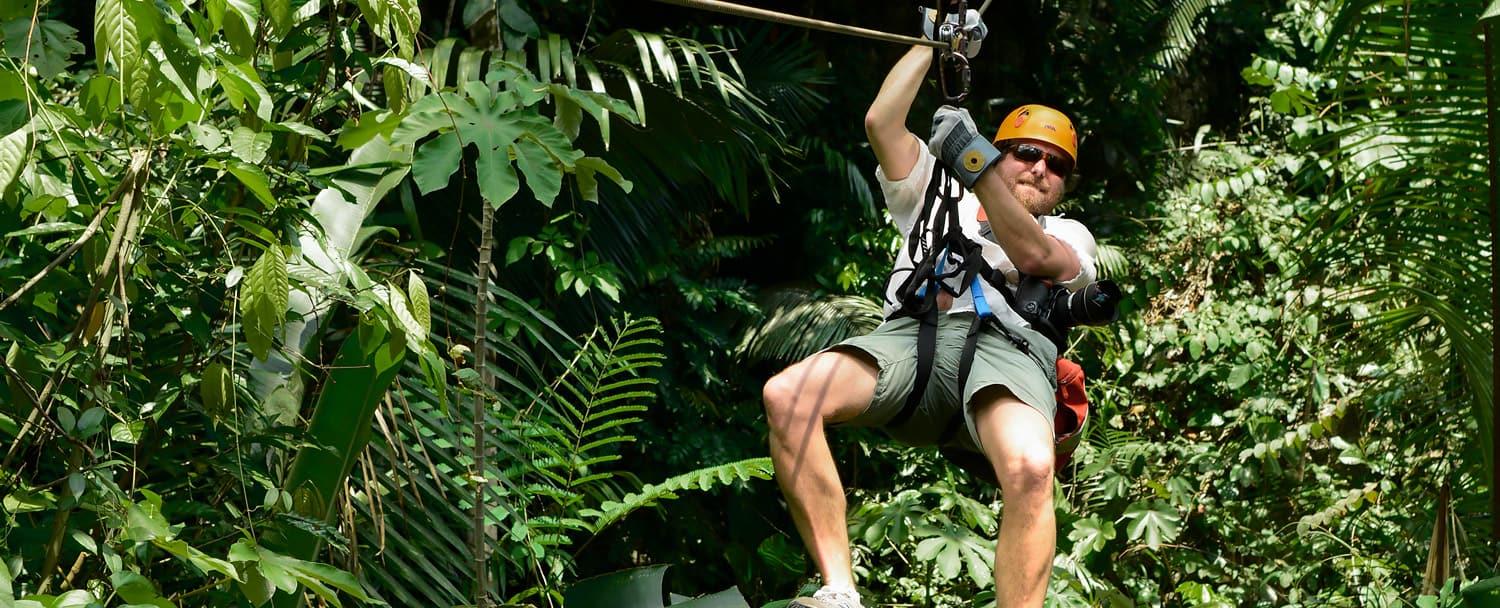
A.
pixel 953 57
pixel 959 65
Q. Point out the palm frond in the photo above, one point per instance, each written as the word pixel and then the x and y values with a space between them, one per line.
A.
pixel 1406 220
pixel 1111 261
pixel 801 323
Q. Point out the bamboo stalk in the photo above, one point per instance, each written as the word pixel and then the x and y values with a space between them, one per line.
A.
pixel 481 363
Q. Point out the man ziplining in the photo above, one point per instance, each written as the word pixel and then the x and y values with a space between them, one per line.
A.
pixel 967 357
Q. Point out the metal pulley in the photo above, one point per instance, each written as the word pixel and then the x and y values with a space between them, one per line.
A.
pixel 953 66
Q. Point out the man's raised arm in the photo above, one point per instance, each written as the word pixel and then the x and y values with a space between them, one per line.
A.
pixel 885 123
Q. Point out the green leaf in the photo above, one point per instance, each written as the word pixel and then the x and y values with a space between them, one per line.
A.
pixel 1483 593
pixel 263 300
pixel 416 72
pixel 47 228
pixel 91 418
pixel 569 118
pixel 435 161
pixel 368 126
pixel 1239 375
pixel 339 428
pixel 256 587
pixel 214 389
pixel 49 47
pixel 243 550
pixel 542 171
pixel 498 129
pixel 955 549
pixel 248 12
pixel 317 577
pixel 588 169
pixel 200 560
pixel 421 306
pixel 144 522
pixel 248 145
pixel 13 115
pixel 254 180
pixel 134 588
pixel 1156 523
pixel 128 432
pixel 518 19
pixel 244 89
pixel 638 587
pixel 497 178
pixel 279 13
pixel 780 554
pixel 702 479
pixel 7 596
pixel 119 36
pixel 21 501
pixel 302 129
pixel 1090 534
pixel 396 302
pixel 76 598
pixel 15 149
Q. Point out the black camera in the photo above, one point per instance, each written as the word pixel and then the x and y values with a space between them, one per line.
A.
pixel 1053 310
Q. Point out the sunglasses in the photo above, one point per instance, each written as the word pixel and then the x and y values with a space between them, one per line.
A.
pixel 1030 153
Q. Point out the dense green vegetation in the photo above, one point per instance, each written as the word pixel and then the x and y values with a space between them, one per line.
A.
pixel 422 302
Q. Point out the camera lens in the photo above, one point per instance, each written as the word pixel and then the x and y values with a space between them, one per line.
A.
pixel 1095 304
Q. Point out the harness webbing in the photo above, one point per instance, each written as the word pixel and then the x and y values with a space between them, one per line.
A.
pixel 936 241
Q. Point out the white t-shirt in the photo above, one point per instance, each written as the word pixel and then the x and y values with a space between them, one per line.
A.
pixel 904 200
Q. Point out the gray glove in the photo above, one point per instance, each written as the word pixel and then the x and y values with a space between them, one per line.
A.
pixel 973 27
pixel 957 144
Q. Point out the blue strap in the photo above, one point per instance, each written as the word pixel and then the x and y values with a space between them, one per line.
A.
pixel 921 293
pixel 980 305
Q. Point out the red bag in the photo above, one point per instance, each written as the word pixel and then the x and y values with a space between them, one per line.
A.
pixel 1072 410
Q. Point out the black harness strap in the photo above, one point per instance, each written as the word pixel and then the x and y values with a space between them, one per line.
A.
pixel 926 350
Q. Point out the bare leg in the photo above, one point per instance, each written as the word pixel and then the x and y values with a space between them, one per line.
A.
pixel 827 387
pixel 1018 443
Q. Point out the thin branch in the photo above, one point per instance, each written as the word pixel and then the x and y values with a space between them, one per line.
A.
pixel 88 233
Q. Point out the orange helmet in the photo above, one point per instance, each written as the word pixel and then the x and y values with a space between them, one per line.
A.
pixel 1036 121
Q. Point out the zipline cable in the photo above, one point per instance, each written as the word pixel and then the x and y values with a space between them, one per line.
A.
pixel 730 8
pixel 949 48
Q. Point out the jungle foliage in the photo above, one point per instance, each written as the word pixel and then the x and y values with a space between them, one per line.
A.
pixel 390 301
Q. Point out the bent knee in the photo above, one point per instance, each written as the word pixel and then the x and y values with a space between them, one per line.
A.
pixel 1027 471
pixel 779 395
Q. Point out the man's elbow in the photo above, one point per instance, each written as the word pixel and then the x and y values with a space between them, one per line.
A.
pixel 1035 263
pixel 875 121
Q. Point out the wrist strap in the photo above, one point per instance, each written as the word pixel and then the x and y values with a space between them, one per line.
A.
pixel 972 159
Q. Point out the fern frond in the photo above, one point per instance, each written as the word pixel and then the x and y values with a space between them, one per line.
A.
pixel 703 479
pixel 1350 501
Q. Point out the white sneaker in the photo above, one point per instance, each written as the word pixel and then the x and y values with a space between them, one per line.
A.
pixel 828 597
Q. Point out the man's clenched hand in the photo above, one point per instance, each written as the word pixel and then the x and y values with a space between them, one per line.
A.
pixel 973 27
pixel 956 142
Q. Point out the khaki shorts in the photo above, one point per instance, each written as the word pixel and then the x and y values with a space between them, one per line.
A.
pixel 997 362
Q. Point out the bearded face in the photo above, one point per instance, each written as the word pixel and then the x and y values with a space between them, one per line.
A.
pixel 1037 186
